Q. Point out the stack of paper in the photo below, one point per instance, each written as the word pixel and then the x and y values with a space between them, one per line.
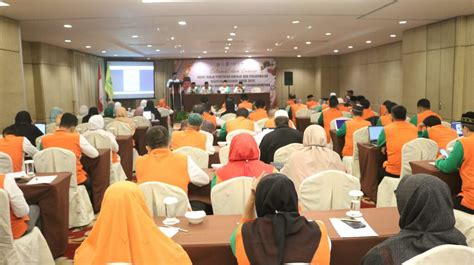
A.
pixel 345 230
pixel 41 180
pixel 16 175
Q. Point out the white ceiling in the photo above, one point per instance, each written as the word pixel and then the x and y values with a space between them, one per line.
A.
pixel 109 24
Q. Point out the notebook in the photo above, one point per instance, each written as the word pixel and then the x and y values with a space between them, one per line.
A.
pixel 339 124
pixel 457 127
pixel 41 127
pixel 374 132
pixel 147 115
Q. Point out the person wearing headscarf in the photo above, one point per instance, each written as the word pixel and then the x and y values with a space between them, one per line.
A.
pixel 229 106
pixel 426 221
pixel 96 125
pixel 243 161
pixel 278 234
pixel 150 106
pixel 24 127
pixel 121 115
pixel 315 157
pixel 125 232
pixel 117 105
pixel 162 104
pixel 191 136
pixel 139 110
pixel 92 111
pixel 55 114
pixel 109 110
pixel 82 112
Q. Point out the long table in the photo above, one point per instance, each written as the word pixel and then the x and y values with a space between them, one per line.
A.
pixel 424 167
pixel 98 169
pixel 53 201
pixel 370 160
pixel 189 100
pixel 208 242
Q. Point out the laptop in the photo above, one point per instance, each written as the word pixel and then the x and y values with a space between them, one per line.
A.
pixel 339 124
pixel 147 115
pixel 456 125
pixel 374 132
pixel 41 127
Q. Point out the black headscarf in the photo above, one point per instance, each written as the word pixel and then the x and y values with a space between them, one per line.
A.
pixel 229 106
pixel 92 111
pixel 23 117
pixel 24 127
pixel 150 106
pixel 426 221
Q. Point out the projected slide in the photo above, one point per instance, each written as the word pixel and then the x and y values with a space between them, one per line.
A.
pixel 132 80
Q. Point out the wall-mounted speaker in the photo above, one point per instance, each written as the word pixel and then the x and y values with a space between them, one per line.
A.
pixel 288 78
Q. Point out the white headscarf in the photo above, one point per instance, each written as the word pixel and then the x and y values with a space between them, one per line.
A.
pixel 96 122
pixel 143 103
pixel 117 105
pixel 83 110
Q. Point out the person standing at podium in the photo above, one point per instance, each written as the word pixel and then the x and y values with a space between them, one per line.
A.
pixel 174 85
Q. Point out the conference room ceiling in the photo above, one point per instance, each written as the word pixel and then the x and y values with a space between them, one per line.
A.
pixel 108 25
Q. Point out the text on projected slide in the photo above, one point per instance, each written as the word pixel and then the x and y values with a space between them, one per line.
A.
pixel 132 80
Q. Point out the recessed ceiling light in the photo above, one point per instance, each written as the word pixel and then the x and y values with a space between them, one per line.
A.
pixel 401 22
pixel 158 50
pixel 295 22
pixel 88 46
pixel 350 47
pixel 3 4
pixel 229 44
pixel 232 34
pixel 235 27
pixel 103 51
pixel 204 52
pixel 368 41
pixel 134 36
pixel 328 33
pixel 336 51
pixel 172 38
pixel 269 50
pixel 148 58
pixel 277 44
pixel 225 51
pixel 250 56
pixel 199 57
pixel 298 56
pixel 393 35
pixel 308 42
pixel 288 36
pixel 182 23
pixel 295 48
pixel 149 45
pixel 68 41
pixel 226 48
pixel 246 51
pixel 230 39
pixel 157 29
pixel 68 26
pixel 310 27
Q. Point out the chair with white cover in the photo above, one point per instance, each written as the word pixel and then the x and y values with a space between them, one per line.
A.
pixel 465 224
pixel 446 124
pixel 119 128
pixel 224 155
pixel 237 132
pixel 141 121
pixel 444 254
pixel 352 162
pixel 347 114
pixel 327 190
pixel 107 120
pixel 283 153
pixel 419 149
pixel 228 116
pixel 155 192
pixel 164 112
pixel 261 122
pixel 62 160
pixel 303 113
pixel 314 117
pixel 229 197
pixel 51 127
pixel 6 164
pixel 82 128
pixel 333 122
pixel 31 248
pixel 200 157
pixel 100 141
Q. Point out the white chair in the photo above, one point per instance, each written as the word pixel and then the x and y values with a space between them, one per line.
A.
pixel 333 122
pixel 465 224
pixel 261 123
pixel 446 124
pixel 155 192
pixel 283 153
pixel 6 164
pixel 444 255
pixel 107 120
pixel 210 138
pixel 347 114
pixel 327 190
pixel 38 141
pixel 237 132
pixel 141 121
pixel 164 112
pixel 315 117
pixel 416 150
pixel 200 157
pixel 100 141
pixel 119 128
pixel 51 127
pixel 62 160
pixel 229 197
pixel 352 162
pixel 228 116
pixel 31 248
pixel 82 128
pixel 224 155
pixel 303 113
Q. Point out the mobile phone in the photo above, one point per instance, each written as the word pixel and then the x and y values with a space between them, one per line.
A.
pixel 444 153
pixel 353 223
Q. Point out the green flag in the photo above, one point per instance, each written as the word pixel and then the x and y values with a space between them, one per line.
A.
pixel 108 84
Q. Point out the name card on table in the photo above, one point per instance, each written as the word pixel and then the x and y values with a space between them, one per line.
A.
pixel 41 180
pixel 344 230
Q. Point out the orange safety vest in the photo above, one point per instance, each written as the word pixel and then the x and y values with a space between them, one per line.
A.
pixel 245 105
pixel 270 124
pixel 311 104
pixel 328 116
pixel 13 146
pixel 210 118
pixel 425 114
pixel 19 224
pixel 383 110
pixel 397 134
pixel 467 172
pixel 295 108
pixel 163 166
pixel 386 119
pixel 441 135
pixel 70 141
pixel 188 137
pixel 352 126
pixel 341 107
pixel 258 114
pixel 238 124
pixel 324 107
pixel 290 102
pixel 368 113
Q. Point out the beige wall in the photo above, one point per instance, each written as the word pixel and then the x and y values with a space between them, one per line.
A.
pixel 12 89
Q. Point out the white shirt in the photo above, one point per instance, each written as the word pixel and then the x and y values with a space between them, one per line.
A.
pixel 197 176
pixel 28 148
pixel 256 128
pixel 115 146
pixel 224 90
pixel 87 148
pixel 206 91
pixel 17 201
pixel 239 89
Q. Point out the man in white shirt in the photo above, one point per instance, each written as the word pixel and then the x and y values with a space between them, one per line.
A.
pixel 224 89
pixel 16 147
pixel 206 89
pixel 239 88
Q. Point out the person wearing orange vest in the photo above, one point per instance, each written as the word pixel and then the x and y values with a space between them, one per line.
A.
pixel 328 115
pixel 424 110
pixel 260 112
pixel 368 112
pixel 462 159
pixel 66 138
pixel 310 102
pixel 16 147
pixel 273 114
pixel 291 100
pixel 278 234
pixel 437 132
pixel 383 110
pixel 191 136
pixel 349 127
pixel 245 103
pixel 240 122
pixel 162 165
pixel 386 119
pixel 295 108
pixel 391 140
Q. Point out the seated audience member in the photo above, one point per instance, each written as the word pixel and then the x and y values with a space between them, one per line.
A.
pixel 315 157
pixel 239 123
pixel 92 111
pixel 391 140
pixel 350 127
pixel 16 147
pixel 270 124
pixel 243 161
pixel 383 108
pixel 23 218
pixel 349 95
pixel 278 234
pixel 328 115
pixel 426 221
pixel 96 125
pixel 55 115
pixel 295 108
pixel 83 109
pixel 462 159
pixel 109 110
pixel 209 117
pixel 66 138
pixel 424 110
pixel 191 136
pixel 139 110
pixel 245 103
pixel 359 99
pixel 260 112
pixel 368 112
pixel 291 100
pixel 282 135
pixel 239 88
pixel 121 115
pixel 208 125
pixel 229 107
pixel 162 104
pixel 160 164
pixel 24 127
pixel 342 105
pixel 125 232
pixel 150 106
pixel 386 119
pixel 310 102
pixel 437 132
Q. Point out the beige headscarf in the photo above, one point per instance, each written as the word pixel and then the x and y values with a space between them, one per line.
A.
pixel 121 114
pixel 315 157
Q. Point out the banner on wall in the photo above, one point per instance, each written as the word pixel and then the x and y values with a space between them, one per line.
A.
pixel 253 72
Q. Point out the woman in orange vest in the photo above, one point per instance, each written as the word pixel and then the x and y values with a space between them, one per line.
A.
pixel 125 232
pixel 349 127
pixel 437 132
pixel 278 234
pixel 328 115
pixel 386 119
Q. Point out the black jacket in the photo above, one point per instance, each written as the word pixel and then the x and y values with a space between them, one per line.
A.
pixel 280 137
